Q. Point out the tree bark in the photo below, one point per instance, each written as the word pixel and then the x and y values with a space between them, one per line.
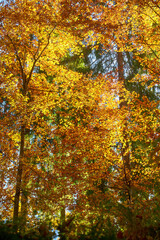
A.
pixel 125 148
pixel 62 233
pixel 20 163
pixel 24 209
pixel 19 180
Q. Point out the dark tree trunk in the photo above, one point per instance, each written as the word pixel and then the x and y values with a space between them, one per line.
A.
pixel 124 149
pixel 19 180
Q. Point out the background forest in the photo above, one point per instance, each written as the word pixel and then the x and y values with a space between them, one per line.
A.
pixel 79 117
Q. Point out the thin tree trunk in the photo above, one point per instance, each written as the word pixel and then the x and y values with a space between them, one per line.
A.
pixel 62 223
pixel 20 164
pixel 63 215
pixel 24 210
pixel 19 180
pixel 125 149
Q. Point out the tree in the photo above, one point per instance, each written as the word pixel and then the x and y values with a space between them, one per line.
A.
pixel 75 137
pixel 29 97
pixel 114 23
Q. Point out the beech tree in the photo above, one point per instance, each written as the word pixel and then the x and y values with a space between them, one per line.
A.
pixel 25 47
pixel 134 145
pixel 76 137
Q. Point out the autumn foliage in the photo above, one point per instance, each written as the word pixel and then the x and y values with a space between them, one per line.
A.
pixel 79 117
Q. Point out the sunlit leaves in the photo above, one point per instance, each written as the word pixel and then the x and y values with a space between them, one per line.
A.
pixel 91 143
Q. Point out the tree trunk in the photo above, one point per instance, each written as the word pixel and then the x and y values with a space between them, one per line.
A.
pixel 62 233
pixel 24 210
pixel 20 164
pixel 124 149
pixel 19 180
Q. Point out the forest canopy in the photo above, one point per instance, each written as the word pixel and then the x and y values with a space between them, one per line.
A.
pixel 79 117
